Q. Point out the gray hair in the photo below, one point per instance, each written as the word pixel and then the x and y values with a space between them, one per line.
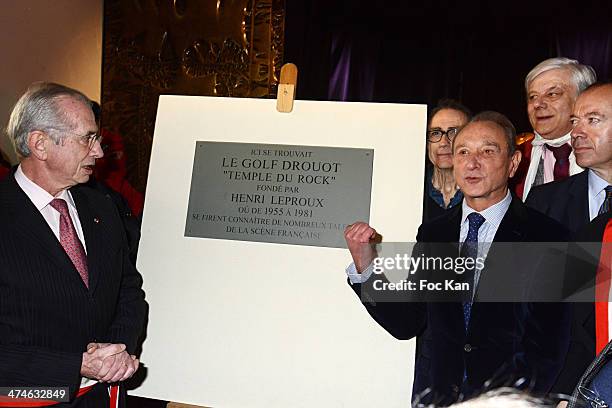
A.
pixel 505 397
pixel 450 104
pixel 37 109
pixel 582 75
pixel 500 120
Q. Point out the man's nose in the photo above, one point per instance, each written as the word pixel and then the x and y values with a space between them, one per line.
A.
pixel 577 131
pixel 96 150
pixel 539 102
pixel 473 162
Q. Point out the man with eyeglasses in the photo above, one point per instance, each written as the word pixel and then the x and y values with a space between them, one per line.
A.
pixel 72 308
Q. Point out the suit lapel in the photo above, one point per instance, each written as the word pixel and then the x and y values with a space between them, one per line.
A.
pixel 452 312
pixel 511 227
pixel 451 234
pixel 577 210
pixel 34 228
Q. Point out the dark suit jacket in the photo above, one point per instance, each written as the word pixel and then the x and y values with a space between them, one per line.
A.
pixel 593 232
pixel 567 202
pixel 131 224
pixel 503 340
pixel 47 314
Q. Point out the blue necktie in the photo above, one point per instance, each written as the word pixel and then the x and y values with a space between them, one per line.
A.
pixel 469 249
pixel 607 204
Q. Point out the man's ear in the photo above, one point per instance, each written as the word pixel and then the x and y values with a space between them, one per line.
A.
pixel 515 160
pixel 38 143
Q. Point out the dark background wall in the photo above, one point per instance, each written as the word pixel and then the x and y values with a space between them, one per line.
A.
pixel 421 51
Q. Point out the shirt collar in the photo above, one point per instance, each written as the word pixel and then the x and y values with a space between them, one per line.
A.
pixel 39 196
pixel 596 184
pixel 539 140
pixel 492 214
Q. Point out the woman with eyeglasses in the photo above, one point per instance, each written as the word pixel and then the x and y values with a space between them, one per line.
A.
pixel 441 191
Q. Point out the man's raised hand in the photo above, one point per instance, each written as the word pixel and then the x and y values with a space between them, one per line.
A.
pixel 360 239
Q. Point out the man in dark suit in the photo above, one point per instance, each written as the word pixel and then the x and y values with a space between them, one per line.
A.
pixel 71 304
pixel 460 346
pixel 576 201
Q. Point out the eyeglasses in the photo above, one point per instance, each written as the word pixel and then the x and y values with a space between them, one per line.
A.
pixel 592 398
pixel 435 135
pixel 88 139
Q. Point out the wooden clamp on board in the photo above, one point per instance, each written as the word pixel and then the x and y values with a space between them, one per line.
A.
pixel 286 88
pixel 179 405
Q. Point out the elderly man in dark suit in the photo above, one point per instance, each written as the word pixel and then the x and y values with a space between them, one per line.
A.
pixel 460 346
pixel 576 201
pixel 71 304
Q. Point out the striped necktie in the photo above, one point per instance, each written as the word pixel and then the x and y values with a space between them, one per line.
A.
pixel 607 204
pixel 70 240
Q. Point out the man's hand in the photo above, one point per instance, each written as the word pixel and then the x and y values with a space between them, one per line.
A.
pixel 360 239
pixel 108 362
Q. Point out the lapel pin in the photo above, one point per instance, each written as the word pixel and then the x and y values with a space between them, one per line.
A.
pixel 97 220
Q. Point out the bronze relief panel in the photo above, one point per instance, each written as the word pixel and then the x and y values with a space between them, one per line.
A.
pixel 198 47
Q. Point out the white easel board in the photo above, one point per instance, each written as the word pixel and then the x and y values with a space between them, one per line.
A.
pixel 252 324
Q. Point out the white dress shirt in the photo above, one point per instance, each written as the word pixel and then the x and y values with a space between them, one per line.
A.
pixel 597 193
pixel 42 201
pixel 486 233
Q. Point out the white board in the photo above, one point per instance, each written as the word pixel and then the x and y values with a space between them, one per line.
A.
pixel 249 324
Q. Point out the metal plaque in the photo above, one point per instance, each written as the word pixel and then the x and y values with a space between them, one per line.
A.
pixel 301 195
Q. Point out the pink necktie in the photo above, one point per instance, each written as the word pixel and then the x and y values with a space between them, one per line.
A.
pixel 70 240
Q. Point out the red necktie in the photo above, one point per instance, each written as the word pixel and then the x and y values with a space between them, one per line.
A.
pixel 70 240
pixel 561 153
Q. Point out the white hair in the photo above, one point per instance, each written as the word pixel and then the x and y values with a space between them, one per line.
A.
pixel 37 109
pixel 582 75
pixel 504 397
